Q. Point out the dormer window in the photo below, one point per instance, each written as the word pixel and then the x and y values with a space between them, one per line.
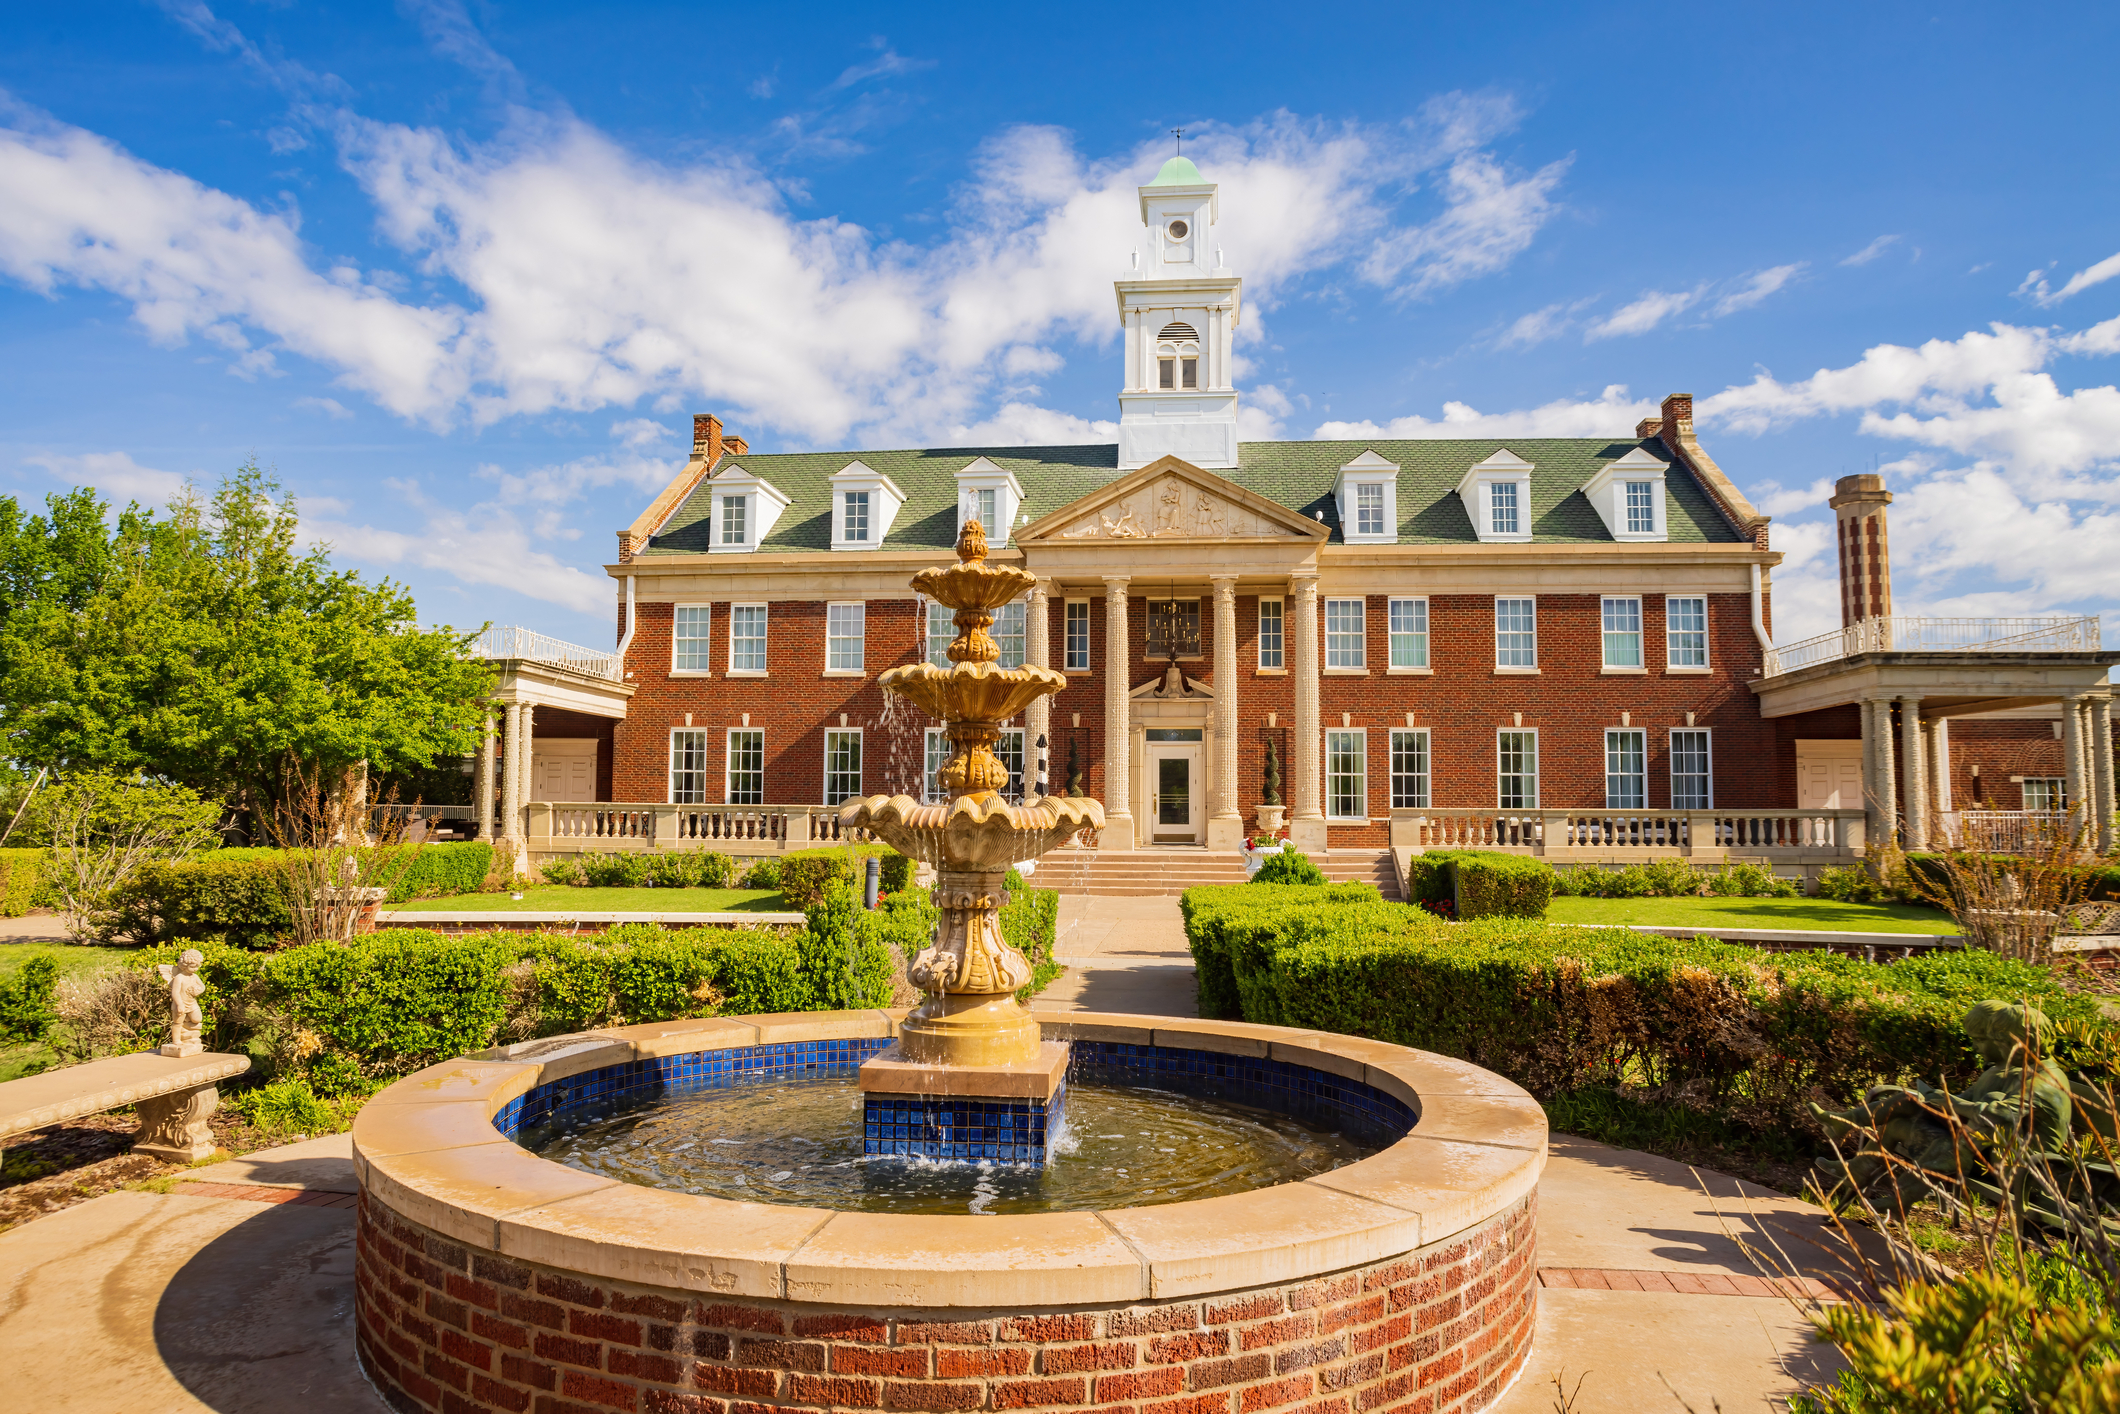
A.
pixel 1501 509
pixel 987 493
pixel 734 514
pixel 1641 507
pixel 1368 496
pixel 1497 498
pixel 982 508
pixel 864 503
pixel 747 509
pixel 1628 495
pixel 1369 510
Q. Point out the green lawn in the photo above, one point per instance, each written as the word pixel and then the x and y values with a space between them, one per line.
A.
pixel 29 1057
pixel 1791 913
pixel 560 899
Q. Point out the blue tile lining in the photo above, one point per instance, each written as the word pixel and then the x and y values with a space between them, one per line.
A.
pixel 1012 1131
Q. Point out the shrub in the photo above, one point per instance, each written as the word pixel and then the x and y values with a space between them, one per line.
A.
pixel 804 873
pixel 762 874
pixel 233 895
pixel 1504 886
pixel 1290 866
pixel 1217 919
pixel 1852 884
pixel 565 871
pixel 1029 920
pixel 1428 880
pixel 434 870
pixel 286 1106
pixel 25 881
pixel 615 871
pixel 26 1000
pixel 398 999
pixel 845 964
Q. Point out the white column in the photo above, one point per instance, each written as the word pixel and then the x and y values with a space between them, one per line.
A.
pixel 528 760
pixel 1915 788
pixel 1038 717
pixel 1872 791
pixel 2072 758
pixel 1887 777
pixel 2102 771
pixel 512 775
pixel 1225 827
pixel 1940 764
pixel 1306 826
pixel 1118 728
pixel 484 793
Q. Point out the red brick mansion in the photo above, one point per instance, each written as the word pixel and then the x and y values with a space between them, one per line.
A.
pixel 1561 645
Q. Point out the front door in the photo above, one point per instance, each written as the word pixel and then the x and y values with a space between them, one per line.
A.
pixel 1829 775
pixel 1174 801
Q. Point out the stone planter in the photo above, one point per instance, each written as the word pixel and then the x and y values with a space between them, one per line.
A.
pixel 1254 858
pixel 489 1278
pixel 1270 818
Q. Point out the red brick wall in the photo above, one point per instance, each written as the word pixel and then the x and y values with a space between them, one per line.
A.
pixel 442 1328
pixel 1463 703
pixel 2001 749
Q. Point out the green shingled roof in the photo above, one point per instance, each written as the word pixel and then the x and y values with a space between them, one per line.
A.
pixel 1298 475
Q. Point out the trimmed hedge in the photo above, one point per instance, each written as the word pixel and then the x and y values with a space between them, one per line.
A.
pixel 240 895
pixel 643 869
pixel 25 881
pixel 805 872
pixel 437 871
pixel 1504 886
pixel 1218 921
pixel 1290 866
pixel 1749 1033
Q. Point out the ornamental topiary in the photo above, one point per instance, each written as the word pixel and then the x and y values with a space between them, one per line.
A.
pixel 1290 866
pixel 1500 886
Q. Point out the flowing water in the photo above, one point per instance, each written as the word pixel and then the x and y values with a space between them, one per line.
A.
pixel 799 1142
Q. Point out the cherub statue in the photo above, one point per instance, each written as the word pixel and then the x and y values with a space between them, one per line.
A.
pixel 2020 1089
pixel 185 988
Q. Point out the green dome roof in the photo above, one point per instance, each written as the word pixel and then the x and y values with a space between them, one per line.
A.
pixel 1179 172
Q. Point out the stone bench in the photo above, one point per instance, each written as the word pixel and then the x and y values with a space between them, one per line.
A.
pixel 174 1095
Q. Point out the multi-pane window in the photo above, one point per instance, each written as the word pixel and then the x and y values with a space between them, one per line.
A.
pixel 842 764
pixel 733 519
pixel 1623 633
pixel 1516 769
pixel 857 516
pixel 1270 634
pixel 1369 510
pixel 2046 793
pixel 1686 632
pixel 1626 770
pixel 747 638
pixel 938 753
pixel 1689 770
pixel 1344 646
pixel 747 766
pixel 1409 633
pixel 688 768
pixel 1409 768
pixel 941 632
pixel 1346 775
pixel 979 505
pixel 1177 372
pixel 690 648
pixel 1641 507
pixel 1516 633
pixel 1010 749
pixel 1502 508
pixel 1076 635
pixel 844 629
pixel 1010 632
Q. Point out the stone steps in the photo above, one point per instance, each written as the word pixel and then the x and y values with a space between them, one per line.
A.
pixel 1147 873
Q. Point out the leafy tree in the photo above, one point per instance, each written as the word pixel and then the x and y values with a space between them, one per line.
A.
pixel 208 646
pixel 103 827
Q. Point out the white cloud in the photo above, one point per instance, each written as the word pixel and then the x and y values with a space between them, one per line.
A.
pixel 115 474
pixel 1871 251
pixel 1773 499
pixel 1757 286
pixel 887 62
pixel 330 407
pixel 2035 283
pixel 1541 325
pixel 488 546
pixel 1644 314
pixel 576 275
pixel 640 431
pixel 1612 414
pixel 1016 424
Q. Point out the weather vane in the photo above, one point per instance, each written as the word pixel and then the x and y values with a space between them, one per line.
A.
pixel 1179 134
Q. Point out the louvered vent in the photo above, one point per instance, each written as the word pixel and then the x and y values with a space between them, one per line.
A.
pixel 1178 331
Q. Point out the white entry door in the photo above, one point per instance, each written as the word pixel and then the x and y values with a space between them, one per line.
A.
pixel 1176 812
pixel 563 769
pixel 1829 775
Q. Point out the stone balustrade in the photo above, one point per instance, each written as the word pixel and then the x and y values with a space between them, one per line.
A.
pixel 1781 836
pixel 568 828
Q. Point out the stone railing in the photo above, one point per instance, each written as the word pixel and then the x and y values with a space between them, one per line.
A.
pixel 566 828
pixel 1905 634
pixel 510 641
pixel 1768 834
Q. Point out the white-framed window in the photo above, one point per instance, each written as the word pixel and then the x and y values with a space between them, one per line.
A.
pixel 1075 636
pixel 845 628
pixel 938 753
pixel 688 767
pixel 1502 509
pixel 1409 768
pixel 1626 769
pixel 1516 633
pixel 747 638
pixel 980 505
pixel 746 767
pixel 1409 633
pixel 1011 632
pixel 1685 631
pixel 1641 507
pixel 842 764
pixel 1516 768
pixel 1177 373
pixel 855 522
pixel 1368 509
pixel 1347 774
pixel 1271 640
pixel 1009 748
pixel 1692 779
pixel 1345 645
pixel 735 515
pixel 2046 793
pixel 941 632
pixel 691 638
pixel 1623 632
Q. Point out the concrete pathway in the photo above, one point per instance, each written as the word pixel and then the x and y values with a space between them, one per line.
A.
pixel 1122 954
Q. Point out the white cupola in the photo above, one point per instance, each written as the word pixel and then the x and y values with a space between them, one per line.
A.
pixel 1178 305
pixel 1629 496
pixel 745 508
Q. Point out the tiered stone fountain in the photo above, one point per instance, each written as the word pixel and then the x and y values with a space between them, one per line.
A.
pixel 969 1076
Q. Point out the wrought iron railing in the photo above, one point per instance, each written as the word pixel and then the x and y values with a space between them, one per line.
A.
pixel 1906 634
pixel 513 641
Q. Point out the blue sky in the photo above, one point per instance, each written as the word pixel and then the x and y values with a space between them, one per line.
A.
pixel 462 273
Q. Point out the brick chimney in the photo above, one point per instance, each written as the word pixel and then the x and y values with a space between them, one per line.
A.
pixel 1865 550
pixel 735 446
pixel 706 437
pixel 1648 427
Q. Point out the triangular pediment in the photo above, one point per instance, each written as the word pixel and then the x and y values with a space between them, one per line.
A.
pixel 1171 499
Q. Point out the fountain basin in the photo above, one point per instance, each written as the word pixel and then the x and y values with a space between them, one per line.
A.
pixel 493 1277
